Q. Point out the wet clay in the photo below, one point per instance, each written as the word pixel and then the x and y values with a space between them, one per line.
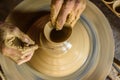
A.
pixel 49 59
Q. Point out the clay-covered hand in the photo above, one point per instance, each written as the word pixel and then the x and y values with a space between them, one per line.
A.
pixel 15 44
pixel 66 12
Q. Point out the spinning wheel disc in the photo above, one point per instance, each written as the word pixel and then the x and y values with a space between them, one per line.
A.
pixel 97 65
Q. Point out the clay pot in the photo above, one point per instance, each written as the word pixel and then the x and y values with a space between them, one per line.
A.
pixel 61 53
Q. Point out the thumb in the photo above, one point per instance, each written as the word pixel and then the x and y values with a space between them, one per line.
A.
pixel 24 37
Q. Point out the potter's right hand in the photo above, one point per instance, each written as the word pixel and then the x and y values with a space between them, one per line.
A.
pixel 15 44
pixel 66 12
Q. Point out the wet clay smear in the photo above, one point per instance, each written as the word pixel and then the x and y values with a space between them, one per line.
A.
pixel 18 43
pixel 15 43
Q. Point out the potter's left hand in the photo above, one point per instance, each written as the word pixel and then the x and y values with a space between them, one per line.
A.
pixel 15 44
pixel 66 12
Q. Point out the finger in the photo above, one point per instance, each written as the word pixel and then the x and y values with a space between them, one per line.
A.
pixel 80 10
pixel 28 50
pixel 14 31
pixel 55 8
pixel 11 30
pixel 22 36
pixel 25 38
pixel 11 53
pixel 5 31
pixel 63 14
pixel 9 42
pixel 27 58
pixel 76 12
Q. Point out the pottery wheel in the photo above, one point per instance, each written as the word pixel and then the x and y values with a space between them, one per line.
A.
pixel 94 51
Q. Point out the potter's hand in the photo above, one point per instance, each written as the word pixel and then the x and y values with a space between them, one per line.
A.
pixel 15 44
pixel 66 12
